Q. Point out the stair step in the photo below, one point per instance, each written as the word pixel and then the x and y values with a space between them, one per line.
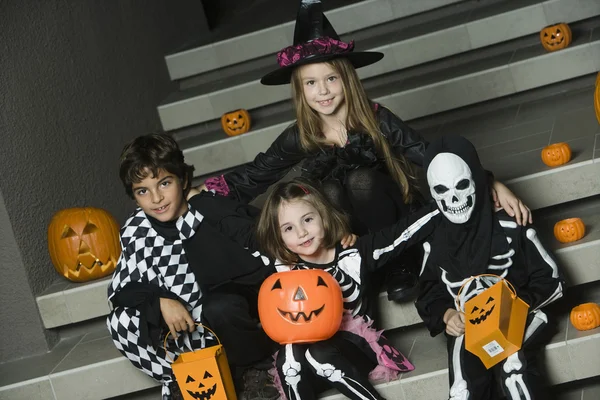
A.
pixel 66 303
pixel 354 17
pixel 193 106
pixel 99 371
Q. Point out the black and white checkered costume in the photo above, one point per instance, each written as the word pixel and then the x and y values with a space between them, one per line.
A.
pixel 149 258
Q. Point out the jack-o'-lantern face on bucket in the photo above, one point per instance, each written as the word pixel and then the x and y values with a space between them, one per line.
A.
pixel 479 313
pixel 300 306
pixel 202 388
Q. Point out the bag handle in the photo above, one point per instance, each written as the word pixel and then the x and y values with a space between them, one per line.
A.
pixel 510 286
pixel 197 324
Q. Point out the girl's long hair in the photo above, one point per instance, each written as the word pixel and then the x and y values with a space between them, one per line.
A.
pixel 360 118
pixel 335 223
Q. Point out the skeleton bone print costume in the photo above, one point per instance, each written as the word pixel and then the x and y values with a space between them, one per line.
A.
pixel 345 360
pixel 471 239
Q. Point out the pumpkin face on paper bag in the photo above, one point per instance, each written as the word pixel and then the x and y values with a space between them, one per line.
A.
pixel 585 316
pixel 480 310
pixel 300 306
pixel 236 122
pixel 204 386
pixel 83 243
pixel 556 37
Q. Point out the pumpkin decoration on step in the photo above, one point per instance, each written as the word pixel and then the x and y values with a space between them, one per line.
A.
pixel 556 37
pixel 556 154
pixel 236 122
pixel 585 316
pixel 300 306
pixel 83 243
pixel 597 98
pixel 569 230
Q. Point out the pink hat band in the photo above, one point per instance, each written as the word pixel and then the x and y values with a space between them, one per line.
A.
pixel 323 45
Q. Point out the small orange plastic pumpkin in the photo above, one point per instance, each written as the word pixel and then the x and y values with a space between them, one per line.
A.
pixel 569 230
pixel 556 154
pixel 556 37
pixel 585 316
pixel 236 122
pixel 597 98
pixel 300 306
pixel 83 243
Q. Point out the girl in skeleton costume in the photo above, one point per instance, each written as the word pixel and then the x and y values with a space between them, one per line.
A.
pixel 472 239
pixel 300 229
pixel 177 268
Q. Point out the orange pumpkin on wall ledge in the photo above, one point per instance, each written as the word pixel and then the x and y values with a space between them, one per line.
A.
pixel 84 243
pixel 236 122
pixel 556 37
pixel 556 154
pixel 585 316
pixel 300 306
pixel 569 230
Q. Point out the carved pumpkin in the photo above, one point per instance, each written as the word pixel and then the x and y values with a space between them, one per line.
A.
pixel 83 243
pixel 236 122
pixel 556 37
pixel 300 306
pixel 569 230
pixel 204 386
pixel 556 154
pixel 597 98
pixel 585 316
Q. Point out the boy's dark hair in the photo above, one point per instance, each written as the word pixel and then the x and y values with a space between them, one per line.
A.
pixel 147 154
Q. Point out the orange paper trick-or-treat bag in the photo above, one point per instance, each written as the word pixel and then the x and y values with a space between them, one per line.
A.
pixel 204 374
pixel 495 323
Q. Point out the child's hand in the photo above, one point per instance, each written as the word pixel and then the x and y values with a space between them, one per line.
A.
pixel 176 316
pixel 349 240
pixel 455 322
pixel 503 197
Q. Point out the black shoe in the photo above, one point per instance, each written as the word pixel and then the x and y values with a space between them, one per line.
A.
pixel 401 284
pixel 258 385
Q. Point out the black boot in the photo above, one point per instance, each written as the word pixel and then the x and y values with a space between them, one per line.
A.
pixel 401 284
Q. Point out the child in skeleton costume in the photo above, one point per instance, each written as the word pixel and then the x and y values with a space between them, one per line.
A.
pixel 300 229
pixel 178 268
pixel 472 239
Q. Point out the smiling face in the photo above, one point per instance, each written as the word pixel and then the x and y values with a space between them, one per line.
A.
pixel 302 231
pixel 481 313
pixel 203 388
pixel 323 89
pixel 160 196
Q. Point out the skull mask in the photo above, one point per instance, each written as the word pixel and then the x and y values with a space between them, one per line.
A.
pixel 451 185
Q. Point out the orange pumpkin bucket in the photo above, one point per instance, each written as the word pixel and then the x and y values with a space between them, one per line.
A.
pixel 585 316
pixel 569 230
pixel 300 306
pixel 204 373
pixel 495 323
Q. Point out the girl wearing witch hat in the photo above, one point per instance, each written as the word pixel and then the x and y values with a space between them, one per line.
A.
pixel 361 153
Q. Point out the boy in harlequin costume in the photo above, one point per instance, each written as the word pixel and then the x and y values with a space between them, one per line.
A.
pixel 178 267
pixel 470 239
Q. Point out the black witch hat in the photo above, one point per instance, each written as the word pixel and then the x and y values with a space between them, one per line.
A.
pixel 315 40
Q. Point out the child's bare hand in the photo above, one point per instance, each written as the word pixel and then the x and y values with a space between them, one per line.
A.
pixel 176 316
pixel 455 322
pixel 504 198
pixel 349 240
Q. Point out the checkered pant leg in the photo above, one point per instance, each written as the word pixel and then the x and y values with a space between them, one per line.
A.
pixel 123 324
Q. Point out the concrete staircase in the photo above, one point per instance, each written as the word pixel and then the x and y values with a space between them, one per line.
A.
pixel 451 66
